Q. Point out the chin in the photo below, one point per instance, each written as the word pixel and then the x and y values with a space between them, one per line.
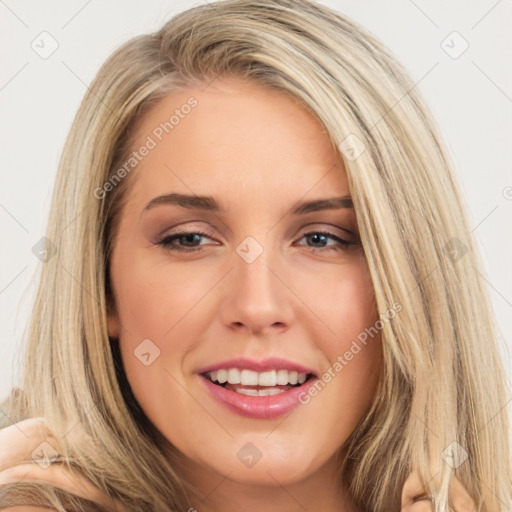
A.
pixel 261 462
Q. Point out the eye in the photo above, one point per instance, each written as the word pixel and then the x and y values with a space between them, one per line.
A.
pixel 189 239
pixel 321 238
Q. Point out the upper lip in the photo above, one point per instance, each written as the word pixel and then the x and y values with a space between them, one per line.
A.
pixel 263 365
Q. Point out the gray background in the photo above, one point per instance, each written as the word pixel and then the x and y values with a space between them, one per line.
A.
pixel 470 95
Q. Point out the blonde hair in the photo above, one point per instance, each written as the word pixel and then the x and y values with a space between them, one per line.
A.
pixel 443 380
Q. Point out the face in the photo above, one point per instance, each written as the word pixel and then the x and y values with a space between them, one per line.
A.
pixel 250 285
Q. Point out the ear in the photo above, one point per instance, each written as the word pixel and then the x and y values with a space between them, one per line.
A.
pixel 112 326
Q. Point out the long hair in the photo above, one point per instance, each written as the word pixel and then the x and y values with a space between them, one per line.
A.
pixel 443 386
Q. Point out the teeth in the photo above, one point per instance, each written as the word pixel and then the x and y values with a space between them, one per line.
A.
pixel 282 377
pixel 234 376
pixel 258 392
pixel 222 376
pixel 271 391
pixel 269 378
pixel 248 378
pixel 250 392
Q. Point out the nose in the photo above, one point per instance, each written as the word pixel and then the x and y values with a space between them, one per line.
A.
pixel 258 298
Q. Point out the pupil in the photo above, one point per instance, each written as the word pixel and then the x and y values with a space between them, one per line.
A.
pixel 190 237
pixel 316 236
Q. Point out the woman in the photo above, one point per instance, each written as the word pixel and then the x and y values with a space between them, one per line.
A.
pixel 255 209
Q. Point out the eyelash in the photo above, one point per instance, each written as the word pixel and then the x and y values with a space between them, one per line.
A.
pixel 166 241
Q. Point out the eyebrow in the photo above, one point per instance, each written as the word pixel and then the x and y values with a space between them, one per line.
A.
pixel 208 203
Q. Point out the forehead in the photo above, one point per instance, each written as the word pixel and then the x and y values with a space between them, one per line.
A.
pixel 234 136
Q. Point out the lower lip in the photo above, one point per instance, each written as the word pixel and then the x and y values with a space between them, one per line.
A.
pixel 259 407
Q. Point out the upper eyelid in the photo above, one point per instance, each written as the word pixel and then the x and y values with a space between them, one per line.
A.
pixel 314 226
pixel 176 235
pixel 340 243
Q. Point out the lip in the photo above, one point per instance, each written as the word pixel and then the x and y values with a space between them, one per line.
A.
pixel 264 365
pixel 258 407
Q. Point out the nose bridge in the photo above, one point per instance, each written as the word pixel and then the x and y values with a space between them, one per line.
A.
pixel 254 275
pixel 258 298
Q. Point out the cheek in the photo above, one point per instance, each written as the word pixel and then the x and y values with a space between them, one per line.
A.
pixel 162 311
pixel 156 309
pixel 344 302
pixel 352 342
pixel 155 299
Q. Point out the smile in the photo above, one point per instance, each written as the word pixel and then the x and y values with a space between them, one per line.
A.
pixel 251 383
pixel 269 393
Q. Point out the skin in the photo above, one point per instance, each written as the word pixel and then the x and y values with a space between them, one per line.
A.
pixel 19 440
pixel 257 152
